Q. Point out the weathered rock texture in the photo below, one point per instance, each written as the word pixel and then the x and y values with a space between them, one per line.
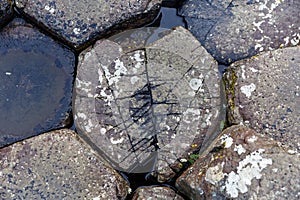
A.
pixel 5 12
pixel 147 108
pixel 243 165
pixel 156 193
pixel 78 21
pixel 263 92
pixel 36 76
pixel 234 29
pixel 57 165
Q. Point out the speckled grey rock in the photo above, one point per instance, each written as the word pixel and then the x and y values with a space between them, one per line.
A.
pixel 78 21
pixel 57 165
pixel 232 30
pixel 263 92
pixel 243 165
pixel 156 193
pixel 36 76
pixel 5 12
pixel 148 108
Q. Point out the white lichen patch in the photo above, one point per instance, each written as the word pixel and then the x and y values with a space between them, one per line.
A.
pixel 134 79
pixel 215 174
pixel 120 70
pixel 239 149
pixel 248 169
pixel 243 71
pixel 195 84
pixel 252 139
pixel 76 31
pixel 226 140
pixel 116 141
pixel 49 9
pixel 248 89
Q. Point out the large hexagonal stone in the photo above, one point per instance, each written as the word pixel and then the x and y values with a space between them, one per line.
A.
pixel 233 29
pixel 57 165
pixel 78 21
pixel 147 99
pixel 263 92
pixel 243 165
pixel 36 75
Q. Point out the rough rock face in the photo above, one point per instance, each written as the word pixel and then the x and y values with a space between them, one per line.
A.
pixel 78 21
pixel 233 29
pixel 36 76
pixel 5 12
pixel 243 165
pixel 147 108
pixel 157 193
pixel 57 165
pixel 263 91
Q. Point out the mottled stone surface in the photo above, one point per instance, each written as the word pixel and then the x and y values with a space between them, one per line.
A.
pixel 243 165
pixel 5 12
pixel 263 92
pixel 148 108
pixel 36 76
pixel 78 21
pixel 157 193
pixel 57 165
pixel 232 30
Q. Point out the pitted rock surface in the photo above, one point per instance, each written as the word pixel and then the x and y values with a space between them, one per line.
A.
pixel 147 108
pixel 78 21
pixel 5 11
pixel 57 165
pixel 36 76
pixel 263 92
pixel 243 165
pixel 234 29
pixel 157 193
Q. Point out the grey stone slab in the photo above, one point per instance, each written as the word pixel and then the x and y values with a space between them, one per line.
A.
pixel 5 12
pixel 145 108
pixel 243 165
pixel 36 76
pixel 57 165
pixel 263 92
pixel 233 30
pixel 156 192
pixel 80 21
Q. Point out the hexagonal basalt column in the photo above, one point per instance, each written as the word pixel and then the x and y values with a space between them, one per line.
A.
pixel 148 104
pixel 57 165
pixel 36 75
pixel 79 21
pixel 5 11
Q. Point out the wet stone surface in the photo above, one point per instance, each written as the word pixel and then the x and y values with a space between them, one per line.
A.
pixel 263 92
pixel 56 165
pixel 79 21
pixel 148 108
pixel 36 77
pixel 243 165
pixel 233 30
pixel 157 193
pixel 5 12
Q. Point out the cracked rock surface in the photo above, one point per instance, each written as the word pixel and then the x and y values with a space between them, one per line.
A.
pixel 243 165
pixel 235 29
pixel 148 108
pixel 78 21
pixel 263 92
pixel 57 165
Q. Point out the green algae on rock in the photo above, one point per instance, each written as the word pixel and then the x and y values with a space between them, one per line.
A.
pixel 57 165
pixel 36 77
pixel 147 107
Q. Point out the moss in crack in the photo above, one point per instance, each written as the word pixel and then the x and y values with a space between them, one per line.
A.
pixel 230 79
